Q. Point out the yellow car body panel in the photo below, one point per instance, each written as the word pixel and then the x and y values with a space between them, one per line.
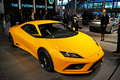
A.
pixel 81 44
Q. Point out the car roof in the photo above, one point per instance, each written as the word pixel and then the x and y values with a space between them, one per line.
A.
pixel 38 22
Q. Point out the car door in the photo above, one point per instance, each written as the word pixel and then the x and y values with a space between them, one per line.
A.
pixel 27 40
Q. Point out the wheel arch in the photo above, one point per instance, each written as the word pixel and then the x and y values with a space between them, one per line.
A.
pixel 9 37
pixel 90 28
pixel 48 53
pixel 9 34
pixel 40 49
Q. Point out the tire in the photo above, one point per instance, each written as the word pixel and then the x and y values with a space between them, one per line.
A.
pixel 90 29
pixel 111 30
pixel 45 60
pixel 11 41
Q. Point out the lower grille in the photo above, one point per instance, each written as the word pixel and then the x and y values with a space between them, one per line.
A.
pixel 75 66
pixel 95 65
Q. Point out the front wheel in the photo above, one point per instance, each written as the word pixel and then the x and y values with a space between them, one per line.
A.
pixel 45 60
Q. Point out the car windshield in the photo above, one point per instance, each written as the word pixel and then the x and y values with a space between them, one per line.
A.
pixel 56 30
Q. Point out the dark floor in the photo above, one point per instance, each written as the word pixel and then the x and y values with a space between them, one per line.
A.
pixel 16 64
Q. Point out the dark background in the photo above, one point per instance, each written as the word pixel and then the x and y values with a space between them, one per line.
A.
pixel 8 7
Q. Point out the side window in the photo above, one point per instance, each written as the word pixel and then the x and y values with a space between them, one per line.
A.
pixel 112 19
pixel 116 20
pixel 30 29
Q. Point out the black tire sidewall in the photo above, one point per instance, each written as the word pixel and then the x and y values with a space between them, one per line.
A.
pixel 10 37
pixel 90 29
pixel 51 67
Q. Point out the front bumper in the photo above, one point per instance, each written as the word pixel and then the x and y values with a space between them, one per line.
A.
pixel 61 65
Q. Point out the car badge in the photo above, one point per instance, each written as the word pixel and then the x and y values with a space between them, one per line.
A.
pixel 51 1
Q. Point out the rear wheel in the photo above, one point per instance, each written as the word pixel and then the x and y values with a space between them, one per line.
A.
pixel 45 60
pixel 11 42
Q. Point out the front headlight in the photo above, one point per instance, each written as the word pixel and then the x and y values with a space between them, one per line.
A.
pixel 68 54
pixel 96 42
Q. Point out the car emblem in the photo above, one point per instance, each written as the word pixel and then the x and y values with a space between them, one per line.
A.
pixel 98 54
pixel 51 1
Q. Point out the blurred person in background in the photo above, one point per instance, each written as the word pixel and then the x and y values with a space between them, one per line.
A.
pixel 1 15
pixel 9 21
pixel 65 17
pixel 85 18
pixel 12 18
pixel 96 16
pixel 118 41
pixel 90 16
pixel 20 17
pixel 104 22
pixel 33 15
pixel 27 16
pixel 68 17
pixel 72 18
pixel 76 24
pixel 46 15
pixel 79 15
pixel 40 15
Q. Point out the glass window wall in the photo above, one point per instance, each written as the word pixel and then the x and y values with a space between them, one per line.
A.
pixel 86 4
pixel 98 5
pixel 80 5
pixel 65 2
pixel 108 4
pixel 90 5
pixel 59 2
pixel 109 0
pixel 71 4
pixel 98 0
pixel 118 5
pixel 115 4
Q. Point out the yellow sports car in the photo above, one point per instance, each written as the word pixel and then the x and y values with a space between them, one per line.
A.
pixel 57 47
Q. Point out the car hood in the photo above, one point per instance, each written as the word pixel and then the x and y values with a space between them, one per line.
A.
pixel 81 44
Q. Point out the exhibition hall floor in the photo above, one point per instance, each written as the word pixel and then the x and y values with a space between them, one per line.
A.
pixel 16 64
